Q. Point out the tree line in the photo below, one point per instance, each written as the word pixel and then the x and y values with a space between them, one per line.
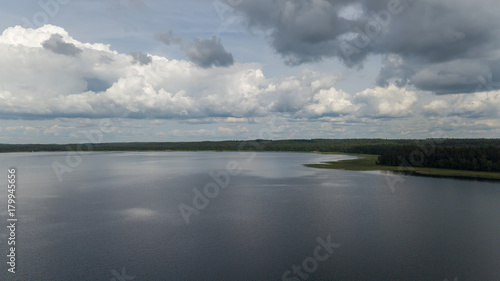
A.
pixel 366 146
pixel 482 158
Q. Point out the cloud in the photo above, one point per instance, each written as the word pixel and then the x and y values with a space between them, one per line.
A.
pixel 331 102
pixel 102 83
pixel 425 36
pixel 301 31
pixel 478 105
pixel 57 45
pixel 141 58
pixel 203 52
pixel 436 108
pixel 238 130
pixel 167 38
pixel 387 102
pixel 457 76
pixel 138 214
pixel 207 53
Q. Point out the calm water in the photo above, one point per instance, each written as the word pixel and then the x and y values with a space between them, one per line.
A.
pixel 116 215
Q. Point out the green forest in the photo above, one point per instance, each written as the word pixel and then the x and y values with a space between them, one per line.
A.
pixel 460 158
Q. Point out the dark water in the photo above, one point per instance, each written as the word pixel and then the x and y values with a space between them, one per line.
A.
pixel 116 215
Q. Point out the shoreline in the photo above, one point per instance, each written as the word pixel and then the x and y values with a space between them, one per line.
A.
pixel 366 162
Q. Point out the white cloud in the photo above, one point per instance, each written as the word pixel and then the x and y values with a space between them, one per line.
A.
pixel 192 133
pixel 386 102
pixel 233 131
pixel 79 88
pixel 102 82
pixel 331 102
pixel 99 82
pixel 437 107
pixel 484 104
pixel 477 105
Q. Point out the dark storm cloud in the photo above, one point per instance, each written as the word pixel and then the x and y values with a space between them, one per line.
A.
pixel 141 58
pixel 301 31
pixel 430 38
pixel 208 52
pixel 57 45
pixel 203 52
pixel 453 76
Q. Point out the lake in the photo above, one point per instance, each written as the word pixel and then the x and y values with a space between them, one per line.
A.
pixel 242 216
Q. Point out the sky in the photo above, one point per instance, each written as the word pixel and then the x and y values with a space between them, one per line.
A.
pixel 76 71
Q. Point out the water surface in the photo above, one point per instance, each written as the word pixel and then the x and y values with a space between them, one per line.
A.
pixel 120 211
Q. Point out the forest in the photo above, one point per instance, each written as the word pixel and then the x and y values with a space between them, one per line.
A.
pixel 463 154
pixel 483 158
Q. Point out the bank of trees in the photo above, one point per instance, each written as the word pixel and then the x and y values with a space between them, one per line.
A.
pixel 479 158
pixel 366 146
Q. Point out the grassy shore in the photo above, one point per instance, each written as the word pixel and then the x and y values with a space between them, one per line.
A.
pixel 367 162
